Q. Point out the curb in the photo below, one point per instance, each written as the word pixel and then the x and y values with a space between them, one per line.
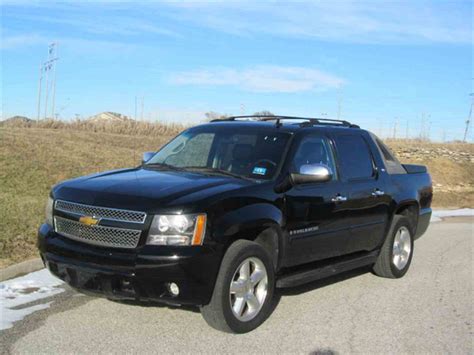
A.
pixel 21 269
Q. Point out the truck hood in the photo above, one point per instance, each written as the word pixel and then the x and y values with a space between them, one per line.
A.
pixel 143 189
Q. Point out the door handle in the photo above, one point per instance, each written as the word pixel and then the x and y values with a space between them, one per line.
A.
pixel 339 198
pixel 378 192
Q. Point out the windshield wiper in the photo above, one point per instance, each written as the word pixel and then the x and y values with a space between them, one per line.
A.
pixel 215 171
pixel 164 165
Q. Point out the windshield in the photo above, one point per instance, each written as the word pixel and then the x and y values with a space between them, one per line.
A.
pixel 228 151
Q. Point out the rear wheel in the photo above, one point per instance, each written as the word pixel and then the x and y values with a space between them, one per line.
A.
pixel 397 251
pixel 243 291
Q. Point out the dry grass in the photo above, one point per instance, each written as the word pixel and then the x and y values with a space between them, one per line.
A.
pixel 453 178
pixel 129 127
pixel 34 159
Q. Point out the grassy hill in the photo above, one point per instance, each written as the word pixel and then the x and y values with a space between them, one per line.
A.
pixel 33 159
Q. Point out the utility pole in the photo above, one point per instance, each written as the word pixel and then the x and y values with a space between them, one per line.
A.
pixel 54 53
pixel 339 104
pixel 443 135
pixel 380 128
pixel 46 68
pixel 422 129
pixel 428 136
pixel 135 107
pixel 468 121
pixel 395 126
pixel 143 104
pixel 407 129
pixel 39 92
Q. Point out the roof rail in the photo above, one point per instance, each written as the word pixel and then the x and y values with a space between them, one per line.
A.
pixel 309 121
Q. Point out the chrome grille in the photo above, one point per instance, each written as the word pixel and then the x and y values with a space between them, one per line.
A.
pixel 98 235
pixel 100 212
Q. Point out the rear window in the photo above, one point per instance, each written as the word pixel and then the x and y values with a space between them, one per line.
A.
pixel 354 157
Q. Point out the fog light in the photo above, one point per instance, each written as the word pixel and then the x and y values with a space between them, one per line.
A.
pixel 173 288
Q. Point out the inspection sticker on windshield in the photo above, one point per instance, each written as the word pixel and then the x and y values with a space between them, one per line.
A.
pixel 259 171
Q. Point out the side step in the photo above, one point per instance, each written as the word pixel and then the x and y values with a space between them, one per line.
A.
pixel 308 275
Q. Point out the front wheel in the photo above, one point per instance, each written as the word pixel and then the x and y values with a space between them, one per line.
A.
pixel 243 291
pixel 397 251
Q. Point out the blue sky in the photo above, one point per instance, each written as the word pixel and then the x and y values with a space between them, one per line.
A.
pixel 378 61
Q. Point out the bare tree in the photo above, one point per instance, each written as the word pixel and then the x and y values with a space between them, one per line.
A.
pixel 263 113
pixel 211 115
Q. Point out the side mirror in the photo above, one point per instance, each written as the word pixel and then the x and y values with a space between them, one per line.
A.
pixel 147 156
pixel 311 173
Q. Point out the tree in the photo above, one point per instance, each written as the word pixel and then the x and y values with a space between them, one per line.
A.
pixel 211 115
pixel 263 113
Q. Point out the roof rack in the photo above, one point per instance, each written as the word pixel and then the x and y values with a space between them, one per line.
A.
pixel 308 120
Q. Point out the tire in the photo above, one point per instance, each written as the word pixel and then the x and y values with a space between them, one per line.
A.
pixel 391 263
pixel 220 313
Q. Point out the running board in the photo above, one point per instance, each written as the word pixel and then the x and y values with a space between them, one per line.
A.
pixel 309 275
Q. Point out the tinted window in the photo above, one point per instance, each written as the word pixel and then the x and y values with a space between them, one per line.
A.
pixel 391 162
pixel 189 152
pixel 216 150
pixel 388 156
pixel 354 157
pixel 314 150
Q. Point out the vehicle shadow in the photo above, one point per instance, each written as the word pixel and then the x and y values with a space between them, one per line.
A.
pixel 152 304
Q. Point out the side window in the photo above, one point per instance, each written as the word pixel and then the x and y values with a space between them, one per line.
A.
pixel 387 154
pixel 314 150
pixel 354 157
pixel 391 162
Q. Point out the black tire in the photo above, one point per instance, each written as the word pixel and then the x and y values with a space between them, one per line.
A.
pixel 384 266
pixel 218 313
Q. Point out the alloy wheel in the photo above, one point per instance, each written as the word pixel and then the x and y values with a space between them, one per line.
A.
pixel 248 289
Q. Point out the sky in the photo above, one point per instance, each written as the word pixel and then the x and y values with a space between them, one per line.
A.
pixel 394 67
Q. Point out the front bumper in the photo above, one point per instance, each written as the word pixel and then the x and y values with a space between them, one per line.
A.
pixel 142 274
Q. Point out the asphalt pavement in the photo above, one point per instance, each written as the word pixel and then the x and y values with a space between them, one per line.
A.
pixel 430 310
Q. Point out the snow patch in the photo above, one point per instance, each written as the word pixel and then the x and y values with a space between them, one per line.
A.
pixel 23 290
pixel 439 214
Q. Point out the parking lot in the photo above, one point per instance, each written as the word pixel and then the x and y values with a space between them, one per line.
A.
pixel 429 310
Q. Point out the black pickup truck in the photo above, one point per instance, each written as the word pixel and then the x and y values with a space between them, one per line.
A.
pixel 230 210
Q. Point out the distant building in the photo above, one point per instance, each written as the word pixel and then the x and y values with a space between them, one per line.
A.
pixel 109 117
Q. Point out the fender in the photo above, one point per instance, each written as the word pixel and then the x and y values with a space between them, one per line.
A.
pixel 247 222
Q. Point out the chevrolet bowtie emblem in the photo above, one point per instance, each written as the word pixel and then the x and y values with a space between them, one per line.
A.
pixel 89 221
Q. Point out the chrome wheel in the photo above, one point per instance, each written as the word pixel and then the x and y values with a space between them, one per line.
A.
pixel 401 248
pixel 248 289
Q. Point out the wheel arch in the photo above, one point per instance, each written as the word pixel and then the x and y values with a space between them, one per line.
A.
pixel 409 209
pixel 260 223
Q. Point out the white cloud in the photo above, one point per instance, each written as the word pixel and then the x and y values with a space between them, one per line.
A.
pixel 261 78
pixel 23 40
pixel 346 21
pixel 102 24
pixel 354 21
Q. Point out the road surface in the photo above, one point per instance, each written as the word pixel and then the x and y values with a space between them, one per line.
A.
pixel 427 311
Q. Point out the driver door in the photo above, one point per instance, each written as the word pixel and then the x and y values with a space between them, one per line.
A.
pixel 316 212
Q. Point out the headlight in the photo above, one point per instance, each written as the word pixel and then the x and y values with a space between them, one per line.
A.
pixel 49 211
pixel 177 230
